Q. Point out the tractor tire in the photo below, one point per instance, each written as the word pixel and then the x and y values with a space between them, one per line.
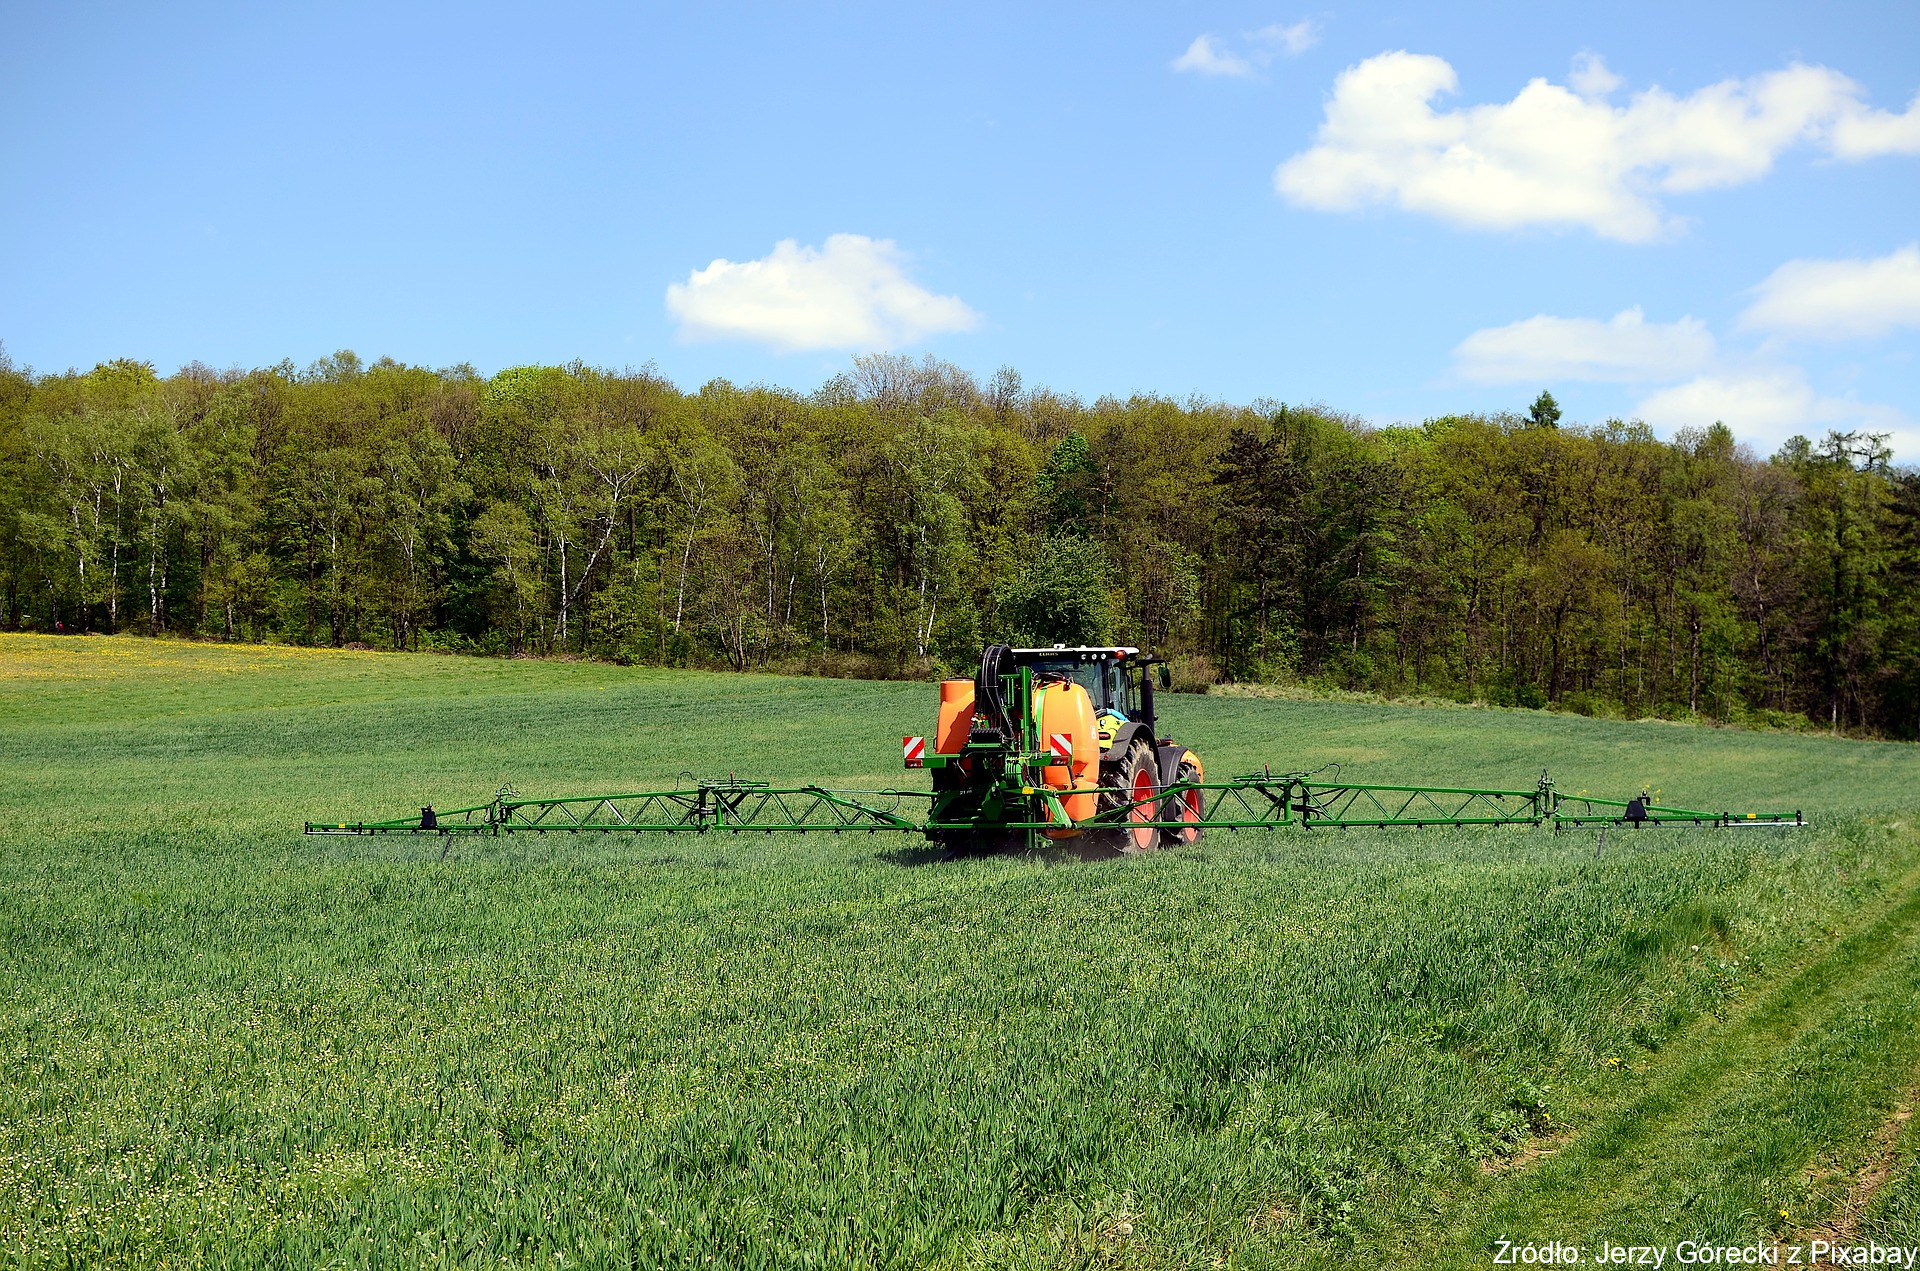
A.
pixel 1132 778
pixel 1184 806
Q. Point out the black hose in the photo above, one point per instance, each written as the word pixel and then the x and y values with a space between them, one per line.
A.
pixel 988 697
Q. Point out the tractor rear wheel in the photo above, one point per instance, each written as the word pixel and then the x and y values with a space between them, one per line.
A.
pixel 1185 806
pixel 1133 780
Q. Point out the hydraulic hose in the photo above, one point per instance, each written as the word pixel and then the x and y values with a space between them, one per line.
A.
pixel 990 700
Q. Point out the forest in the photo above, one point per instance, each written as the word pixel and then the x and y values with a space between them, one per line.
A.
pixel 888 523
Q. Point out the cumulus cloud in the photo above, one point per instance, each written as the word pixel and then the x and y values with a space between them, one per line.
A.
pixel 1625 349
pixel 1770 404
pixel 1839 299
pixel 1590 76
pixel 1866 134
pixel 852 292
pixel 1206 56
pixel 1209 55
pixel 1562 156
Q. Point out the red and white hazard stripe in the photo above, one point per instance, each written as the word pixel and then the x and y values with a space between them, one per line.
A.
pixel 916 750
pixel 1060 745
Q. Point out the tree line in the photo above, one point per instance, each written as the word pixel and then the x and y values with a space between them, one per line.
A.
pixel 894 520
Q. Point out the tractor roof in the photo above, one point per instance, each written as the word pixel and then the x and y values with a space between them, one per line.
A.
pixel 1085 652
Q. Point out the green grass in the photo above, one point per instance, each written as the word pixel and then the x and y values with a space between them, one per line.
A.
pixel 222 1043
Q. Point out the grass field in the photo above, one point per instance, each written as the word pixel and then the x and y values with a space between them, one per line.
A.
pixel 224 1044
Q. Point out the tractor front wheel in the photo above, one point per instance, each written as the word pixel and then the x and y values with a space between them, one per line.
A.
pixel 1184 806
pixel 1133 781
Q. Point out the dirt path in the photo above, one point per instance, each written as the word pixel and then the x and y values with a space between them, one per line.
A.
pixel 1864 1181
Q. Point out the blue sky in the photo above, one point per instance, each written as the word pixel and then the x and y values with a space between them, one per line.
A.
pixel 1698 212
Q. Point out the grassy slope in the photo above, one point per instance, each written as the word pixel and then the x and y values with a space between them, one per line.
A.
pixel 224 1042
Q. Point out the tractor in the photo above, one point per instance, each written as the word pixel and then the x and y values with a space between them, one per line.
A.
pixel 1061 744
pixel 1050 748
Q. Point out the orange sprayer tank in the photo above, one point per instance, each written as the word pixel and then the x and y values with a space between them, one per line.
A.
pixel 1066 708
pixel 956 717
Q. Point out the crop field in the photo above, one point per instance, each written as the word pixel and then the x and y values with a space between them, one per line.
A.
pixel 225 1044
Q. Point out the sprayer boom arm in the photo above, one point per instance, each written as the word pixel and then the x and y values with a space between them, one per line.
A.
pixel 1257 801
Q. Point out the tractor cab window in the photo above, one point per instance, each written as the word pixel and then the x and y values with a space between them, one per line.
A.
pixel 1120 696
pixel 1088 675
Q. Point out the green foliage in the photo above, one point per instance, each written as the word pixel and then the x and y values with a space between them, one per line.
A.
pixel 887 520
pixel 231 1046
pixel 1069 486
pixel 1058 597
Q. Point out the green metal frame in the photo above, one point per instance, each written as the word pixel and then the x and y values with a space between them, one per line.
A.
pixel 729 805
pixel 1579 810
pixel 1257 801
pixel 1352 806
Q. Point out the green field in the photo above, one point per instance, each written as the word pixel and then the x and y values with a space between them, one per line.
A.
pixel 228 1044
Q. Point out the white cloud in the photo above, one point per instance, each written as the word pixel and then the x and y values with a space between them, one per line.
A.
pixel 1770 404
pixel 1556 156
pixel 1206 57
pixel 1626 349
pixel 1868 133
pixel 852 292
pixel 1291 40
pixel 1209 55
pixel 1839 299
pixel 1590 76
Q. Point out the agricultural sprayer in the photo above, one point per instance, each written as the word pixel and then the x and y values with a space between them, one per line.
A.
pixel 1050 747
